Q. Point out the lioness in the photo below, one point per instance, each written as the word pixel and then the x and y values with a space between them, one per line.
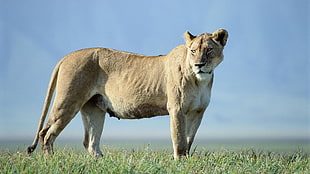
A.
pixel 97 81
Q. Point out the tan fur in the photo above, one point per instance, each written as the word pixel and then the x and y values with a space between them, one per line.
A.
pixel 97 81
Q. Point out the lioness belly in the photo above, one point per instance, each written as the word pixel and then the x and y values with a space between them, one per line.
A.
pixel 135 106
pixel 141 111
pixel 136 111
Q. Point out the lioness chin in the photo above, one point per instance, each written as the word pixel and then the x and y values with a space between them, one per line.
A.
pixel 97 81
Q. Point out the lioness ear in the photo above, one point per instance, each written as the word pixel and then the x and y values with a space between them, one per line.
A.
pixel 220 36
pixel 188 37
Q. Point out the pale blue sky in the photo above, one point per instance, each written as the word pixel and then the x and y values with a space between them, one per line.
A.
pixel 260 90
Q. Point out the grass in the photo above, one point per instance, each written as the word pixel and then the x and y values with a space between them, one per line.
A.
pixel 147 160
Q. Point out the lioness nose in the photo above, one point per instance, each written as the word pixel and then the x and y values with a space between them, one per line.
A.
pixel 200 65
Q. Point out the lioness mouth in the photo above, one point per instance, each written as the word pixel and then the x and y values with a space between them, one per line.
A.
pixel 202 72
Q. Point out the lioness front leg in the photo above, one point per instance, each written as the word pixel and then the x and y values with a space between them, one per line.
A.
pixel 193 121
pixel 178 134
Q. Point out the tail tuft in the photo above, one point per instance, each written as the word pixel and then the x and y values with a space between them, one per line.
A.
pixel 30 149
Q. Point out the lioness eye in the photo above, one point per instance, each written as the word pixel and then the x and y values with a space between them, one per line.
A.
pixel 193 51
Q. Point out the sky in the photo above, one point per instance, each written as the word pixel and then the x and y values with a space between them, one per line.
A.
pixel 260 90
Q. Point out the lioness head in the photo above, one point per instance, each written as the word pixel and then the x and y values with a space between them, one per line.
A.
pixel 205 52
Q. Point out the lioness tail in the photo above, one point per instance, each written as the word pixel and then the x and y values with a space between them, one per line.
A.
pixel 48 98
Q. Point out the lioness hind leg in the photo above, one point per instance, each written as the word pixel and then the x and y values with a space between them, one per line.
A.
pixel 93 120
pixel 58 120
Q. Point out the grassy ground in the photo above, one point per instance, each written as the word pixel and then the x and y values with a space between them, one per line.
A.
pixel 157 160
